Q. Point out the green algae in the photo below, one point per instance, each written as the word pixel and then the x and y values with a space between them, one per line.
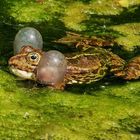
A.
pixel 108 112
pixel 130 35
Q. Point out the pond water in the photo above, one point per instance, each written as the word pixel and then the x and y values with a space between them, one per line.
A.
pixel 104 110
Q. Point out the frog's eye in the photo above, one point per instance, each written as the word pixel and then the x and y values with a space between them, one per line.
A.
pixel 33 57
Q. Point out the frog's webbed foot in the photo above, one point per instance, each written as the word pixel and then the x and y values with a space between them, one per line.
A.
pixel 132 70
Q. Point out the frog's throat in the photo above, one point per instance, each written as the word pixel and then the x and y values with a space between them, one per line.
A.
pixel 23 74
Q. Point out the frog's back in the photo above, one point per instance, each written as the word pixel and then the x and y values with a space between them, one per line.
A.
pixel 87 67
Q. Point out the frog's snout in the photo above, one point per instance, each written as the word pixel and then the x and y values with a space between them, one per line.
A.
pixel 10 61
pixel 14 61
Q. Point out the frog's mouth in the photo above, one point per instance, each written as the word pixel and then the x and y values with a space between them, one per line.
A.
pixel 22 74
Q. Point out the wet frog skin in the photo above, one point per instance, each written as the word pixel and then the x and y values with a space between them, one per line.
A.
pixel 82 67
pixel 22 64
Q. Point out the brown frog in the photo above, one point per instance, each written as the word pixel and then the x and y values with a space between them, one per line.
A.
pixel 83 67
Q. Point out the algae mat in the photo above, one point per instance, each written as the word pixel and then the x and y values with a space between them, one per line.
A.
pixel 99 112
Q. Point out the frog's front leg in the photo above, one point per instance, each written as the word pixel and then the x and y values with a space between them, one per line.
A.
pixel 59 86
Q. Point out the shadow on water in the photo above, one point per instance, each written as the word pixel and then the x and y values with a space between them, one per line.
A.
pixel 131 122
pixel 98 24
pixel 85 1
pixel 90 89
pixel 93 88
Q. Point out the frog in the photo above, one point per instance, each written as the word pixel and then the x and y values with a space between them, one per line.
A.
pixel 83 67
pixel 83 42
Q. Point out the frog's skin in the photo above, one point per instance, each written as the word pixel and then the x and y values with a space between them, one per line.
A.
pixel 83 67
pixel 22 64
pixel 85 42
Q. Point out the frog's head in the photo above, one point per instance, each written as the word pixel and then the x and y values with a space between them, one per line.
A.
pixel 24 64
